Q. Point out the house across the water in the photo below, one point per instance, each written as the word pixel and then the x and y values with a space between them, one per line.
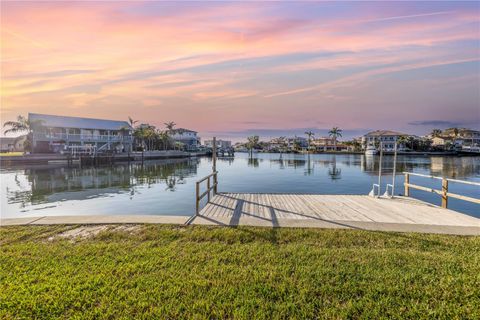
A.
pixel 221 144
pixel 187 137
pixel 62 134
pixel 386 137
pixel 12 144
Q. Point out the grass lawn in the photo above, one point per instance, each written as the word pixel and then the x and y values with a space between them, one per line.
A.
pixel 156 271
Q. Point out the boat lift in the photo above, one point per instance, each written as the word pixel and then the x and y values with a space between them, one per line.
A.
pixel 376 188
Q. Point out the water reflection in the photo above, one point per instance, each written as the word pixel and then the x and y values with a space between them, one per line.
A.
pixel 168 187
pixel 87 183
pixel 334 172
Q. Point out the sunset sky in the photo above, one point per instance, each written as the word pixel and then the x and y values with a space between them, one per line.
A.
pixel 235 69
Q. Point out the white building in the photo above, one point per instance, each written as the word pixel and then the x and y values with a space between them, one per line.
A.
pixel 386 137
pixel 221 144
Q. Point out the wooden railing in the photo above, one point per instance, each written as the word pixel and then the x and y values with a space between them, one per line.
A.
pixel 212 182
pixel 443 192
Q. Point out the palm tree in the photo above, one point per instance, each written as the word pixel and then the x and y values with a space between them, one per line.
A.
pixel 164 138
pixel 170 126
pixel 335 132
pixel 281 142
pixel 309 135
pixel 252 142
pixel 402 140
pixel 23 125
pixel 436 133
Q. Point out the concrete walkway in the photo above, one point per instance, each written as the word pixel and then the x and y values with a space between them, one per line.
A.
pixel 127 219
pixel 303 211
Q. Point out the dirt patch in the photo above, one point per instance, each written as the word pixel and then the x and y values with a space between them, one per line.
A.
pixel 85 232
pixel 130 228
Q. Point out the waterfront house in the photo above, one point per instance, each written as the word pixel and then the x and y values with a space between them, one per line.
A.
pixel 327 144
pixel 62 134
pixel 296 143
pixel 187 137
pixel 463 136
pixel 12 144
pixel 386 137
pixel 221 144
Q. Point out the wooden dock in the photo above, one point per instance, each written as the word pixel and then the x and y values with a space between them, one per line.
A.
pixel 334 211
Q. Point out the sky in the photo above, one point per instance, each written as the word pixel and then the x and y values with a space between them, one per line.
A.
pixel 233 69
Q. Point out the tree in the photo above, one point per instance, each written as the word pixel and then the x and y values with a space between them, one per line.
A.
pixel 309 135
pixel 402 140
pixel 23 125
pixel 436 133
pixel 164 138
pixel 335 132
pixel 281 142
pixel 252 142
pixel 170 126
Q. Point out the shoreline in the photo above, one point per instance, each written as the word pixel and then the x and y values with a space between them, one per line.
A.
pixel 47 158
pixel 100 220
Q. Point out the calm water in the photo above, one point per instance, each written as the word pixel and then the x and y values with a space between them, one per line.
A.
pixel 167 187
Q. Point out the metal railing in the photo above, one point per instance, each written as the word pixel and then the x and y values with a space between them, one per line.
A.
pixel 82 137
pixel 443 192
pixel 212 182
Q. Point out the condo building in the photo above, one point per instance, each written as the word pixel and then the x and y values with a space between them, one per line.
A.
pixel 62 134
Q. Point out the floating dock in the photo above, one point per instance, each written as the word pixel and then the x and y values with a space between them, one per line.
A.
pixel 402 214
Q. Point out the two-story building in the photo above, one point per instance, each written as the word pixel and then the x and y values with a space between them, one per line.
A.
pixel 327 144
pixel 187 137
pixel 62 134
pixel 386 138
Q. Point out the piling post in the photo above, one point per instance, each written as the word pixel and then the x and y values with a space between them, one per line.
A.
pixel 444 193
pixel 197 200
pixel 214 165
pixel 407 181
pixel 380 169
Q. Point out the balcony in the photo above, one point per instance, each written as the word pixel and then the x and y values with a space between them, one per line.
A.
pixel 81 137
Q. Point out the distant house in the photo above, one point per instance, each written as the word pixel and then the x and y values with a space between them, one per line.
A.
pixel 188 137
pixel 12 144
pixel 62 134
pixel 441 141
pixel 327 144
pixel 464 136
pixel 221 144
pixel 386 137
pixel 293 142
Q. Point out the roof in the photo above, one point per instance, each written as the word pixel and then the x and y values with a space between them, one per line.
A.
pixel 378 133
pixel 182 130
pixel 76 122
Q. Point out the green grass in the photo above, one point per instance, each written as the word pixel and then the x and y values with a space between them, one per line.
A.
pixel 245 273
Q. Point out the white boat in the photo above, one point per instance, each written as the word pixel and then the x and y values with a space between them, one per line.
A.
pixel 371 150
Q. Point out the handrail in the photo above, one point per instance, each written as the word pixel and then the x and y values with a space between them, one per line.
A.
pixel 441 178
pixel 444 192
pixel 211 185
pixel 206 177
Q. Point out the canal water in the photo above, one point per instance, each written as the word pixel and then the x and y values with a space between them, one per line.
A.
pixel 167 187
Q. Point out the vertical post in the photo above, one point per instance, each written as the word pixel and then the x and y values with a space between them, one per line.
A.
pixel 208 189
pixel 197 200
pixel 214 166
pixel 380 169
pixel 407 181
pixel 394 169
pixel 444 193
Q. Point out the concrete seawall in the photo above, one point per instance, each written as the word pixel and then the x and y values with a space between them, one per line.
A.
pixel 59 158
